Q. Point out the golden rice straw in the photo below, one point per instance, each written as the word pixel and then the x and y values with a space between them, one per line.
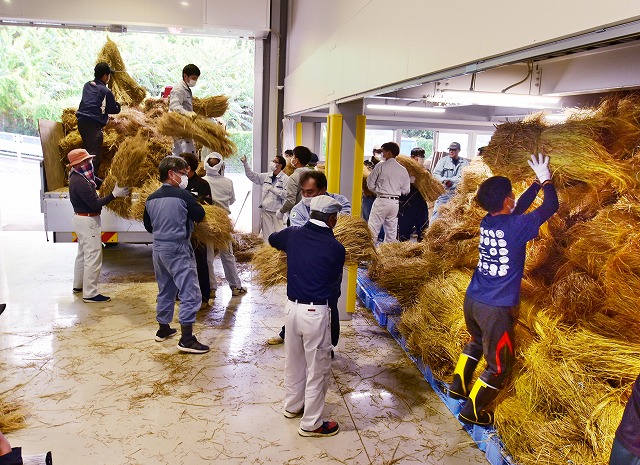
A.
pixel 575 295
pixel 365 189
pixel 155 106
pixel 120 206
pixel 270 266
pixel 245 245
pixel 131 164
pixel 621 282
pixel 435 324
pixel 354 234
pixel 472 176
pixel 428 186
pixel 128 122
pixel 140 195
pixel 209 134
pixel 68 143
pixel 11 416
pixel 215 229
pixel 125 89
pixel 289 169
pixel 69 120
pixel 211 107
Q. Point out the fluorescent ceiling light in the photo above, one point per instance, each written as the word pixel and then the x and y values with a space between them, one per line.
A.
pixel 375 106
pixel 499 99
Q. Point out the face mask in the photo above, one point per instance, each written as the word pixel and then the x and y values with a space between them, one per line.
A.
pixel 184 180
pixel 272 166
pixel 515 202
pixel 191 83
pixel 307 201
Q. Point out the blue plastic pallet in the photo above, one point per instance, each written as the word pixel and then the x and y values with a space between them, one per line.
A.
pixel 485 438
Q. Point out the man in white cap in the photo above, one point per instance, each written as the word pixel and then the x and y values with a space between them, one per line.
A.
pixel 449 172
pixel 93 112
pixel 223 195
pixel 87 207
pixel 389 180
pixel 314 274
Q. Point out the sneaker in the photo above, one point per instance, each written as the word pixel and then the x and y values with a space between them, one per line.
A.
pixel 164 334
pixel 328 428
pixel 97 299
pixel 192 346
pixel 77 289
pixel 289 414
pixel 235 291
pixel 275 340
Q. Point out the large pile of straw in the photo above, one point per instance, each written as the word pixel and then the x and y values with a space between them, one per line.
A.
pixel 270 267
pixel 576 336
pixel 125 89
pixel 211 107
pixel 245 246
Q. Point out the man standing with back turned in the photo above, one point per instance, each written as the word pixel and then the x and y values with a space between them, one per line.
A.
pixel 314 273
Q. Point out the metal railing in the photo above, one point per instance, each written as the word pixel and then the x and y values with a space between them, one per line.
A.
pixel 19 146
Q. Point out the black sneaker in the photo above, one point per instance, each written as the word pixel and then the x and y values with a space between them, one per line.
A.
pixel 192 346
pixel 164 334
pixel 97 299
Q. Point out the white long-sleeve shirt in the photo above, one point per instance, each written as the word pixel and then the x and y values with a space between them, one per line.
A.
pixel 447 170
pixel 273 192
pixel 181 99
pixel 389 178
pixel 222 191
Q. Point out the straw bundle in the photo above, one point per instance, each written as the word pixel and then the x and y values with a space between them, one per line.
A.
pixel 354 234
pixel 11 416
pixel 436 321
pixel 127 123
pixel 428 186
pixel 270 266
pixel 139 197
pixel 209 134
pixel 215 230
pixel 69 120
pixel 120 206
pixel 289 169
pixel 245 245
pixel 365 189
pixel 70 142
pixel 125 89
pixel 575 295
pixel 211 107
pixel 154 107
pixel 472 176
pixel 621 281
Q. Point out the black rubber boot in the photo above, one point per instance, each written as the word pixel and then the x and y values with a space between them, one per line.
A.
pixel 459 388
pixel 480 397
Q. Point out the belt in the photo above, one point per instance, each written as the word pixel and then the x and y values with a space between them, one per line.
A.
pixel 392 197
pixel 88 214
pixel 302 302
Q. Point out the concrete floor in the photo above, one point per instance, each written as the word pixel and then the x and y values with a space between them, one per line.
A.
pixel 97 389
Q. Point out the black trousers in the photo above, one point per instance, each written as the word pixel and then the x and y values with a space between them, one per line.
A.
pixel 200 252
pixel 413 213
pixel 91 133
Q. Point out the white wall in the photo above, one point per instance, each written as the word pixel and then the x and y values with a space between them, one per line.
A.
pixel 249 14
pixel 338 48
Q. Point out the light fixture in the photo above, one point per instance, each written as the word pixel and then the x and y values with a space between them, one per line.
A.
pixel 499 99
pixel 375 106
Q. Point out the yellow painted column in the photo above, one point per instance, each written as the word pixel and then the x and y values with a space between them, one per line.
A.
pixel 356 205
pixel 334 152
pixel 298 133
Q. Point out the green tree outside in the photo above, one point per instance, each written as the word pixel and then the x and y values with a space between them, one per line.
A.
pixel 43 70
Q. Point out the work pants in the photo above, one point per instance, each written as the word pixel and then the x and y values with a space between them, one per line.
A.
pixel 228 266
pixel 414 213
pixel 181 146
pixel 367 204
pixel 175 267
pixel 89 259
pixel 92 137
pixel 384 213
pixel 307 361
pixel 202 267
pixel 270 224
pixel 491 330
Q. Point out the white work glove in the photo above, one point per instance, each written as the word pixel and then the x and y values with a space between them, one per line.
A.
pixel 120 191
pixel 268 189
pixel 243 159
pixel 279 215
pixel 540 166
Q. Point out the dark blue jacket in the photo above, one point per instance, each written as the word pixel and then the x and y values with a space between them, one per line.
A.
pixel 314 262
pixel 170 212
pixel 97 103
pixel 83 195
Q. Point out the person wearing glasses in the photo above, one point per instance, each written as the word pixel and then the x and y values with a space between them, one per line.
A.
pixel 169 214
pixel 449 172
